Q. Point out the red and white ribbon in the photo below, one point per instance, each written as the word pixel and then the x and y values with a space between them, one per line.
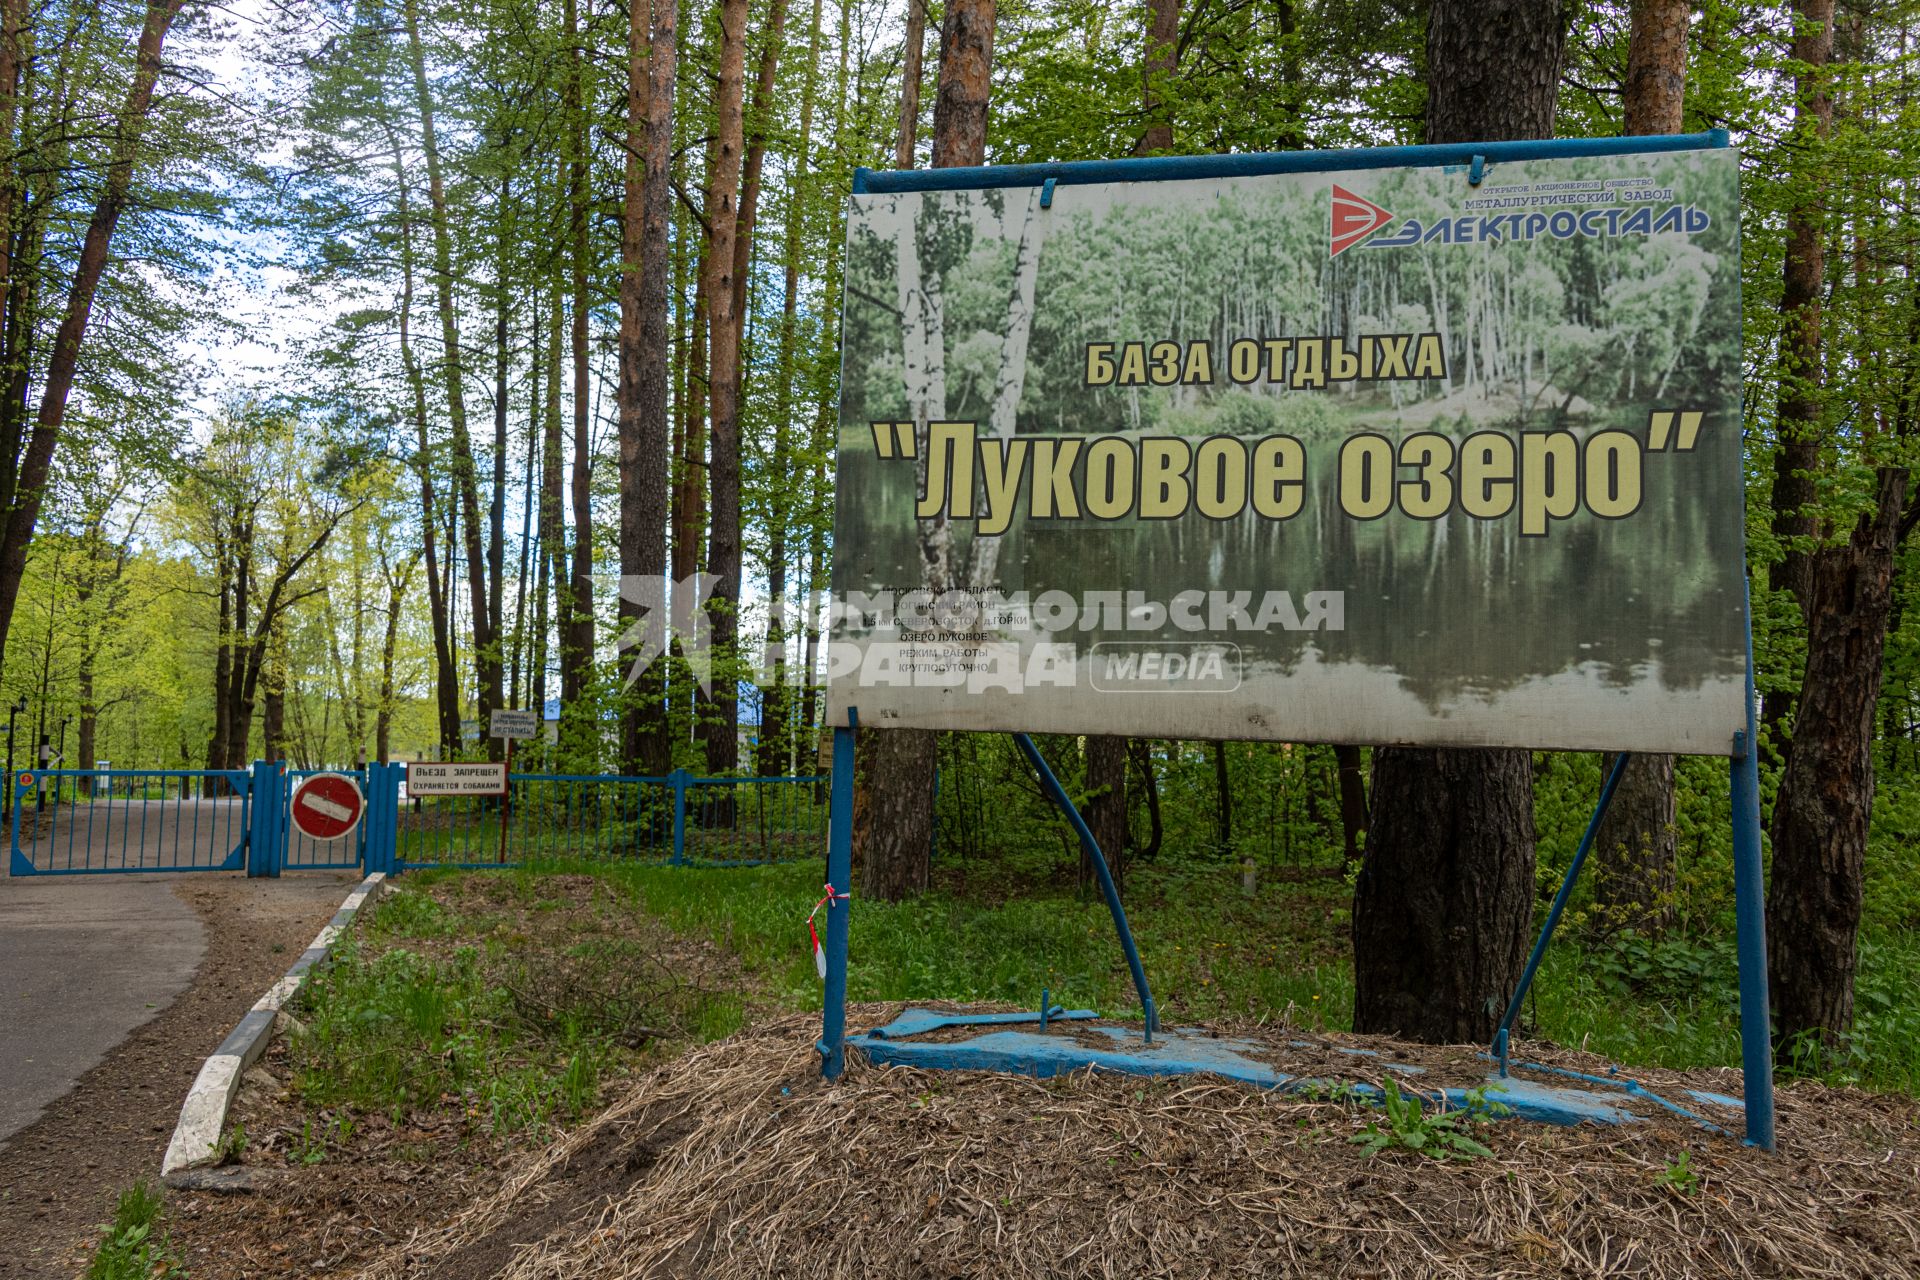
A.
pixel 820 956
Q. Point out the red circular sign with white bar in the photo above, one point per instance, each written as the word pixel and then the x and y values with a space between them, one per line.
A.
pixel 327 806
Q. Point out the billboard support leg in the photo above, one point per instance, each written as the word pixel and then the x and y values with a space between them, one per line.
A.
pixel 1750 917
pixel 1058 795
pixel 833 1014
pixel 1504 1034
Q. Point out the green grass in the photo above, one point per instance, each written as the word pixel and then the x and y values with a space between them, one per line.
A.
pixel 1212 953
pixel 431 1008
pixel 133 1247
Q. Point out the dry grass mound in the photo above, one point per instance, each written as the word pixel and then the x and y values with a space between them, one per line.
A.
pixel 736 1161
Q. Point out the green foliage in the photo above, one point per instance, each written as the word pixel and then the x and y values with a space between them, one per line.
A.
pixel 1678 1176
pixel 1441 1135
pixel 133 1247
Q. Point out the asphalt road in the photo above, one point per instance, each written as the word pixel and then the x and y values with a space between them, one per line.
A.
pixel 84 960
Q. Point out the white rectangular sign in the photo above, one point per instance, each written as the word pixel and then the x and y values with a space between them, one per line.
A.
pixel 455 778
pixel 515 724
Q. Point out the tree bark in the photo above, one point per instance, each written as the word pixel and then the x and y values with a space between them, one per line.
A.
pixel 1634 872
pixel 1106 811
pixel 907 136
pixel 1656 66
pixel 1444 903
pixel 966 71
pixel 893 811
pixel 717 730
pixel 645 366
pixel 1825 801
pixel 1797 456
pixel 1162 57
pixel 63 363
pixel 1445 897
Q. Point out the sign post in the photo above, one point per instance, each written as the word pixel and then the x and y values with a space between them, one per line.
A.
pixel 511 725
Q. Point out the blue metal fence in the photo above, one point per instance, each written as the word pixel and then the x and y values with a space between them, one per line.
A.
pixel 67 822
pixel 676 819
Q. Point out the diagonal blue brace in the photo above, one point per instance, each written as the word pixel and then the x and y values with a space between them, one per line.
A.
pixel 1058 795
pixel 1505 1032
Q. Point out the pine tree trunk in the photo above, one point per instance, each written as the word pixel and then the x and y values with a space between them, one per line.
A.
pixel 644 366
pixel 494 659
pixel 1634 871
pixel 718 731
pixel 776 728
pixel 907 136
pixel 1161 58
pixel 1444 903
pixel 553 521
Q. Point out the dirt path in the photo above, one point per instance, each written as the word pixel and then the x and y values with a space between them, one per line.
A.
pixel 59 1176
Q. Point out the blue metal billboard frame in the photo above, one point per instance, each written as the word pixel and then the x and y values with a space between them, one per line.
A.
pixel 1473 155
pixel 1749 882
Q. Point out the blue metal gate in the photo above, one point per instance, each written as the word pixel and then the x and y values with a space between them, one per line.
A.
pixel 87 821
pixel 94 821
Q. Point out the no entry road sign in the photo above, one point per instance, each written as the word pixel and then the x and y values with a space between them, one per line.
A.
pixel 328 806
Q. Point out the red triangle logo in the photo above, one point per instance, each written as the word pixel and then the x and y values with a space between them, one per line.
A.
pixel 1354 219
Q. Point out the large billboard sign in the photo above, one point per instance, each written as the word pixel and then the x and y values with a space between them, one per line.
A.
pixel 1368 455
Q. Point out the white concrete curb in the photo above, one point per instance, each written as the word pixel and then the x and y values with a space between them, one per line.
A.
pixel 196 1138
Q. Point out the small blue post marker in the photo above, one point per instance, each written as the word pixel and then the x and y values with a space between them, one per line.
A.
pixel 833 1015
pixel 678 780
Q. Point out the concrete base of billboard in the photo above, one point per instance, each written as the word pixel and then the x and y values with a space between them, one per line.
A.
pixel 933 1040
